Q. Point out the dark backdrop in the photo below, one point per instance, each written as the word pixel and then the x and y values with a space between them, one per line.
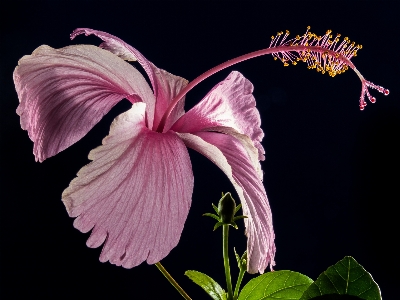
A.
pixel 331 171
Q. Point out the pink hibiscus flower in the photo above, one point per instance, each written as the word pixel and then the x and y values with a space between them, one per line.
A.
pixel 136 193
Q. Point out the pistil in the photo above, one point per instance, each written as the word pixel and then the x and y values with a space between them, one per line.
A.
pixel 319 52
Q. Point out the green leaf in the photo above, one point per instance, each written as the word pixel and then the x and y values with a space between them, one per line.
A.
pixel 283 285
pixel 336 297
pixel 208 284
pixel 347 277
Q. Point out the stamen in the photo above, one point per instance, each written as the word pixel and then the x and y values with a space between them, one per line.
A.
pixel 319 52
pixel 329 62
pixel 333 61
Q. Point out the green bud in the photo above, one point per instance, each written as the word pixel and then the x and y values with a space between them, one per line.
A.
pixel 226 211
pixel 226 208
pixel 242 261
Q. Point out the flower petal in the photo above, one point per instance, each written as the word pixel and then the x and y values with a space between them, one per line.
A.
pixel 228 153
pixel 229 104
pixel 135 194
pixel 165 85
pixel 64 92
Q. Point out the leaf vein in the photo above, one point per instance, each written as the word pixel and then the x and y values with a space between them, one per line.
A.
pixel 332 283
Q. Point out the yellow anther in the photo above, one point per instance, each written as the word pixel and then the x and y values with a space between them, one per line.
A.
pixel 328 61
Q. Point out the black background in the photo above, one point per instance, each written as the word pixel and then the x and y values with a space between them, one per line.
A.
pixel 331 171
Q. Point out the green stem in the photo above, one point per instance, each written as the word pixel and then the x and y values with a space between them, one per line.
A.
pixel 239 281
pixel 225 233
pixel 172 281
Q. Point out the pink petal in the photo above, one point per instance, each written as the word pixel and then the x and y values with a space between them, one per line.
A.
pixel 229 104
pixel 228 153
pixel 64 92
pixel 135 194
pixel 165 85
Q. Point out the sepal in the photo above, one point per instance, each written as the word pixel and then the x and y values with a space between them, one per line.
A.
pixel 215 207
pixel 238 207
pixel 212 216
pixel 217 225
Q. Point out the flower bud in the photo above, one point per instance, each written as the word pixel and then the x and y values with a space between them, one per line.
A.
pixel 226 208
